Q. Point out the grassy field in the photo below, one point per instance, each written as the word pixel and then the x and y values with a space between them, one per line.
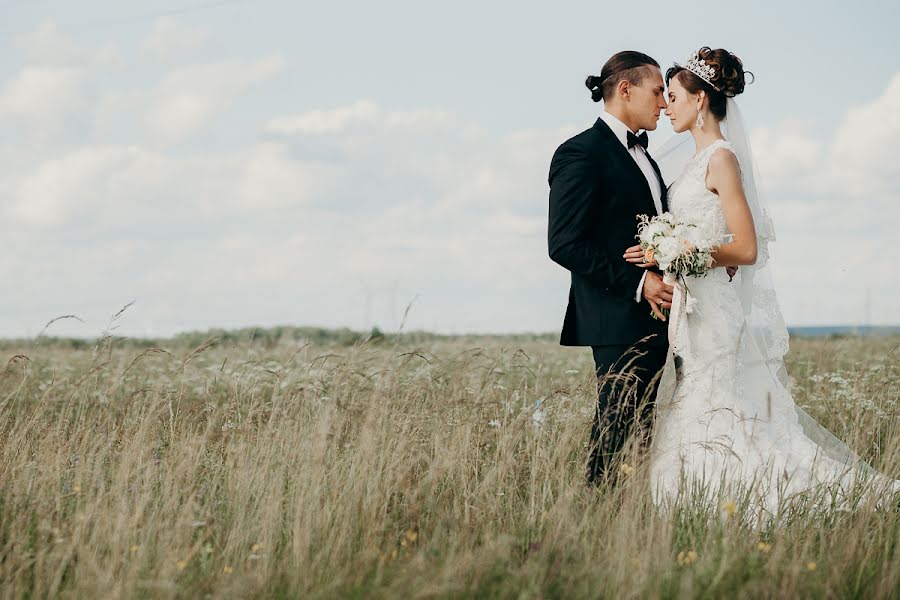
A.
pixel 269 468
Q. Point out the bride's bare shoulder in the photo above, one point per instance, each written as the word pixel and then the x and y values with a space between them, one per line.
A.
pixel 722 168
pixel 723 161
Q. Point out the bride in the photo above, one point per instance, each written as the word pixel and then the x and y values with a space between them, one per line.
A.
pixel 730 430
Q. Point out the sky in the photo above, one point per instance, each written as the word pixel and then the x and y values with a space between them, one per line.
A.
pixel 253 163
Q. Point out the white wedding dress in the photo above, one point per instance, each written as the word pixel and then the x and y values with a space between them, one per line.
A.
pixel 730 429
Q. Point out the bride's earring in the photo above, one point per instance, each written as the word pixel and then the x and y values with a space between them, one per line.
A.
pixel 699 121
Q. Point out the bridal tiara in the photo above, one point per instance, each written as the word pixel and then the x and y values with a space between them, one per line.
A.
pixel 698 67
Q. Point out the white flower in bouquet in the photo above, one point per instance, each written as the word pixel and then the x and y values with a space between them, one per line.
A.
pixel 680 231
pixel 678 248
pixel 657 229
pixel 667 250
pixel 702 244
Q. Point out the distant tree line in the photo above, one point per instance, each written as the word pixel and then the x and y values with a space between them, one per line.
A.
pixel 272 336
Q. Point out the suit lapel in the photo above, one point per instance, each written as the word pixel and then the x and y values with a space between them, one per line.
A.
pixel 631 165
pixel 664 196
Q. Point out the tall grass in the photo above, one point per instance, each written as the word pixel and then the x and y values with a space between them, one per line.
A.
pixel 236 469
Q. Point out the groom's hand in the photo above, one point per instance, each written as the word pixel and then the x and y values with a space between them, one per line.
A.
pixel 635 255
pixel 657 293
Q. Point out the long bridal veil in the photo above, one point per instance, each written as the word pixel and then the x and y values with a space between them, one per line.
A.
pixel 764 380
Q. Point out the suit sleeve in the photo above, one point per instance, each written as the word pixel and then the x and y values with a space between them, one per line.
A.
pixel 572 188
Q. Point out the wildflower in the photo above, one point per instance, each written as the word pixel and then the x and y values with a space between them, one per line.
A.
pixel 256 547
pixel 181 564
pixel 134 548
pixel 764 547
pixel 686 558
pixel 412 535
pixel 811 566
pixel 227 570
pixel 729 507
pixel 76 488
pixel 626 468
pixel 494 423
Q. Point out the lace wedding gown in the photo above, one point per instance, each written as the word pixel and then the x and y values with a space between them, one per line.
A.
pixel 730 429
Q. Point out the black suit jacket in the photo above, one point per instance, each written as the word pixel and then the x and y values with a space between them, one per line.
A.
pixel 597 190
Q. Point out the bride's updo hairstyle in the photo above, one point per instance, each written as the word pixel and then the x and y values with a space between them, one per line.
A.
pixel 628 65
pixel 728 76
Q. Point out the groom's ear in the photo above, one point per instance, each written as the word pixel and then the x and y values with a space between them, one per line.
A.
pixel 623 88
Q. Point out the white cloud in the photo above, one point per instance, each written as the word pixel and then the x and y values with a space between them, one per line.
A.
pixel 866 147
pixel 130 188
pixel 42 96
pixel 51 95
pixel 361 114
pixel 189 97
pixel 48 45
pixel 93 182
pixel 172 39
pixel 317 122
pixel 858 160
pixel 782 152
pixel 304 216
pixel 303 225
pixel 833 197
pixel 272 179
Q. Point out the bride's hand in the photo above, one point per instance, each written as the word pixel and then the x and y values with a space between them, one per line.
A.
pixel 635 255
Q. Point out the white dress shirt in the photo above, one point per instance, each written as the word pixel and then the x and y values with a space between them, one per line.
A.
pixel 639 155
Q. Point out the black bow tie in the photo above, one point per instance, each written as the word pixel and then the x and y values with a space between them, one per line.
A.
pixel 637 140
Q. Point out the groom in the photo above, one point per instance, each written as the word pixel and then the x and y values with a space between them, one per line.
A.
pixel 600 181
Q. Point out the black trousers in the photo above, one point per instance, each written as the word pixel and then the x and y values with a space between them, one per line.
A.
pixel 627 380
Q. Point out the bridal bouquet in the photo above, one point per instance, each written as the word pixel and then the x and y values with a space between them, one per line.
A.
pixel 678 248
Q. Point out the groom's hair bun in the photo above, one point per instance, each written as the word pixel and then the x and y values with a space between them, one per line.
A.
pixel 728 75
pixel 594 83
pixel 628 65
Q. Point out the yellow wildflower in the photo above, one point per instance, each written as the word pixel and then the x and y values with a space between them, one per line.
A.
pixel 811 566
pixel 181 564
pixel 764 547
pixel 626 468
pixel 227 570
pixel 729 507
